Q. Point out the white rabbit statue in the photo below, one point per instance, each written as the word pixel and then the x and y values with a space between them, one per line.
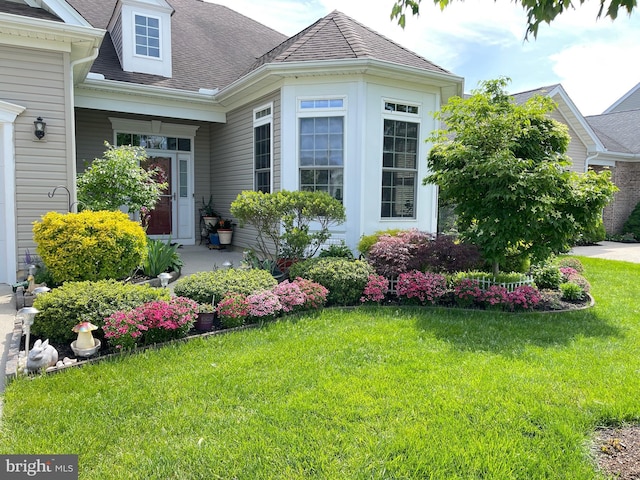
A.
pixel 41 355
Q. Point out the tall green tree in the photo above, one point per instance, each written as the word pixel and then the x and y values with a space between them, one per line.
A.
pixel 119 179
pixel 503 165
pixel 538 11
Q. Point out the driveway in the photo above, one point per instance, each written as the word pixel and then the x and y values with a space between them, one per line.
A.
pixel 628 252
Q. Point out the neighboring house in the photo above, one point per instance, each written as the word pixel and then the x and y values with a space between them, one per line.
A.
pixel 221 102
pixel 603 141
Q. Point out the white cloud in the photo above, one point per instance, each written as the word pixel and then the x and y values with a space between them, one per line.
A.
pixel 596 61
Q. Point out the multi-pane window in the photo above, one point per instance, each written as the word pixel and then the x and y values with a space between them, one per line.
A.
pixel 399 168
pixel 321 145
pixel 147 36
pixel 156 142
pixel 262 121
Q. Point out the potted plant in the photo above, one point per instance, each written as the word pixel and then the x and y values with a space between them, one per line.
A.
pixel 206 316
pixel 225 231
pixel 209 215
pixel 214 238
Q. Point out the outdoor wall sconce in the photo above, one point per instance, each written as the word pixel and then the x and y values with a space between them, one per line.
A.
pixel 39 126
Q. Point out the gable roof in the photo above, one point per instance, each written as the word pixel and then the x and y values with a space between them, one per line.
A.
pixel 522 97
pixel 629 101
pixel 618 130
pixel 337 36
pixel 212 45
pixel 568 110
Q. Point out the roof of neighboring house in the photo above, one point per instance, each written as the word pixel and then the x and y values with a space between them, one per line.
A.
pixel 27 11
pixel 629 101
pixel 618 131
pixel 338 36
pixel 212 45
pixel 522 97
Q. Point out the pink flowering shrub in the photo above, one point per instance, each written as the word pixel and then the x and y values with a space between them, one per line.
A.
pixel 152 322
pixel 423 286
pixel 495 297
pixel 524 297
pixel 579 280
pixel 232 310
pixel 467 292
pixel 375 290
pixel 567 272
pixel 263 305
pixel 315 294
pixel 290 295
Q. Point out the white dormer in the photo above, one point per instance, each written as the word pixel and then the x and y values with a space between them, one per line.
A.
pixel 141 34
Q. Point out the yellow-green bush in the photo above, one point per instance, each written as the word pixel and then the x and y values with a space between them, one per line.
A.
pixel 89 245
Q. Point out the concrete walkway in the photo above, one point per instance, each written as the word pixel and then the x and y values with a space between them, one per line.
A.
pixel 199 258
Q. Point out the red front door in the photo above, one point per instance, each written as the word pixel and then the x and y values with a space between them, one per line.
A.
pixel 160 218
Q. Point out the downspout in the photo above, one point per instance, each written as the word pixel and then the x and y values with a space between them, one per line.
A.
pixel 72 121
pixel 593 156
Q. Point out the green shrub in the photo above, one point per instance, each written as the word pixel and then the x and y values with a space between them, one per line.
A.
pixel 345 279
pixel 90 245
pixel 202 286
pixel 74 302
pixel 368 241
pixel 161 257
pixel 337 251
pixel 632 225
pixel 546 276
pixel 595 234
pixel 572 291
pixel 300 269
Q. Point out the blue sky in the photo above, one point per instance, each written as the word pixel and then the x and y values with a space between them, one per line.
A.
pixel 596 61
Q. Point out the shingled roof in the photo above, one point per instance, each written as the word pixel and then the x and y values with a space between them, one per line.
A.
pixel 212 45
pixel 27 11
pixel 522 97
pixel 618 131
pixel 337 37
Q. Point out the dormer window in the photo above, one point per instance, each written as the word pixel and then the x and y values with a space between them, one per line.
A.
pixel 141 34
pixel 147 36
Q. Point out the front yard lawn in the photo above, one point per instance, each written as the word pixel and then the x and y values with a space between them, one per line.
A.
pixel 355 393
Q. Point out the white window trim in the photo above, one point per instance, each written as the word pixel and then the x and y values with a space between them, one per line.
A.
pixel 324 112
pixel 267 119
pixel 403 117
pixel 135 13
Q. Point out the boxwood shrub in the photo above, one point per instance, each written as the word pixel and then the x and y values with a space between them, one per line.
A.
pixel 345 279
pixel 75 302
pixel 202 286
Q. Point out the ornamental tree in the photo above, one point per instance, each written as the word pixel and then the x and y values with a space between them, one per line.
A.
pixel 119 179
pixel 538 11
pixel 504 167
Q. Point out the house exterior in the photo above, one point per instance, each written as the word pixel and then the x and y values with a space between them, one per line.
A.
pixel 221 102
pixel 603 141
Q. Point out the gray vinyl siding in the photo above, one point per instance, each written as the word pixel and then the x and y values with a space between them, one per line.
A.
pixel 232 160
pixel 37 80
pixel 93 127
pixel 116 36
pixel 576 150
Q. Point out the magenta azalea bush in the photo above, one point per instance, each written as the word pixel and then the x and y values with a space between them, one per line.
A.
pixel 150 323
pixel 375 290
pixel 467 292
pixel 524 297
pixel 496 297
pixel 423 286
pixel 233 309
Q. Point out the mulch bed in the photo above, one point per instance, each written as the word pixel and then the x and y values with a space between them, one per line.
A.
pixel 617 451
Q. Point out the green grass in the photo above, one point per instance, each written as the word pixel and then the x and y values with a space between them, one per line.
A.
pixel 360 393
